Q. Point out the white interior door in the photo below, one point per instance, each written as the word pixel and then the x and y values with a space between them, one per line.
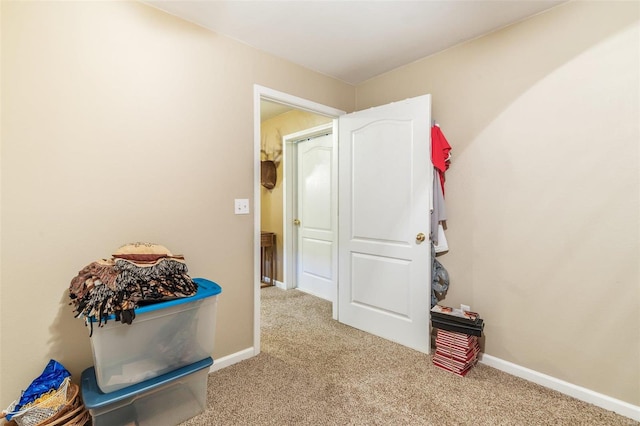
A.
pixel 315 222
pixel 385 181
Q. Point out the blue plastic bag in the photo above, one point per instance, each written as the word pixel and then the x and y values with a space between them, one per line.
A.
pixel 50 379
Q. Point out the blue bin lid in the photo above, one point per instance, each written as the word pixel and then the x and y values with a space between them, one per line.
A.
pixel 206 289
pixel 93 397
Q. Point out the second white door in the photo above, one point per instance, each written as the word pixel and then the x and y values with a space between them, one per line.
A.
pixel 315 221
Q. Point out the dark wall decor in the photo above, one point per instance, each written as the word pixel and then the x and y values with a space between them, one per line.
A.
pixel 268 174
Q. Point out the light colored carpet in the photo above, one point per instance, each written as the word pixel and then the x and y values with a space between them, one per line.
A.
pixel 315 371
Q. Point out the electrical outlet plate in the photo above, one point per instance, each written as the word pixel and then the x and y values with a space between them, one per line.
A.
pixel 241 206
pixel 465 308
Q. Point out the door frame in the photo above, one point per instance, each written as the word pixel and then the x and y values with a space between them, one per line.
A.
pixel 264 93
pixel 289 182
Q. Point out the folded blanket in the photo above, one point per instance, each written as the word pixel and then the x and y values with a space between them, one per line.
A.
pixel 117 286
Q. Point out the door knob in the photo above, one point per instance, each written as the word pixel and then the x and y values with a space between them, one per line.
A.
pixel 420 237
pixel 296 222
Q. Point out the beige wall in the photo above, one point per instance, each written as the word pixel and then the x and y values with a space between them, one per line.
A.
pixel 122 123
pixel 273 130
pixel 543 190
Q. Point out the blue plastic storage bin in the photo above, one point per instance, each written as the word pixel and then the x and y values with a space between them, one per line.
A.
pixel 165 400
pixel 163 337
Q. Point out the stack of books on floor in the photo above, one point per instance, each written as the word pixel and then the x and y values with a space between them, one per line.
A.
pixel 456 352
pixel 457 333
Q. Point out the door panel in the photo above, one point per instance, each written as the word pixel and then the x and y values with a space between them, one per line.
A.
pixel 385 183
pixel 372 290
pixel 317 258
pixel 374 189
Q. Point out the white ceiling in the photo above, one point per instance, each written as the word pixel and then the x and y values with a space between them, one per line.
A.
pixel 353 40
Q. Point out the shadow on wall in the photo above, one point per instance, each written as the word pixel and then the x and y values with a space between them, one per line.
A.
pixel 69 343
pixel 510 63
pixel 494 71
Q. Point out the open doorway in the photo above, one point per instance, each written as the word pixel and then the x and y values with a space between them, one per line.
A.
pixel 307 114
pixel 283 130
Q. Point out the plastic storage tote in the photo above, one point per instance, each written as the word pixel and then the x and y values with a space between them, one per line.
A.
pixel 166 400
pixel 163 337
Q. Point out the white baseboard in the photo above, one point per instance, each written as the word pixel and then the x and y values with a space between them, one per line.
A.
pixel 277 283
pixel 603 401
pixel 228 360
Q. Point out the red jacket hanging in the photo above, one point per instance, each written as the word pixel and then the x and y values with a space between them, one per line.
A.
pixel 440 152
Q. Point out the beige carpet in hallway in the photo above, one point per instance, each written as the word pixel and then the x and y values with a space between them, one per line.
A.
pixel 315 371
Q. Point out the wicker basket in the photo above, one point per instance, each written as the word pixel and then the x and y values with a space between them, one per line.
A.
pixel 73 403
pixel 38 413
pixel 76 417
